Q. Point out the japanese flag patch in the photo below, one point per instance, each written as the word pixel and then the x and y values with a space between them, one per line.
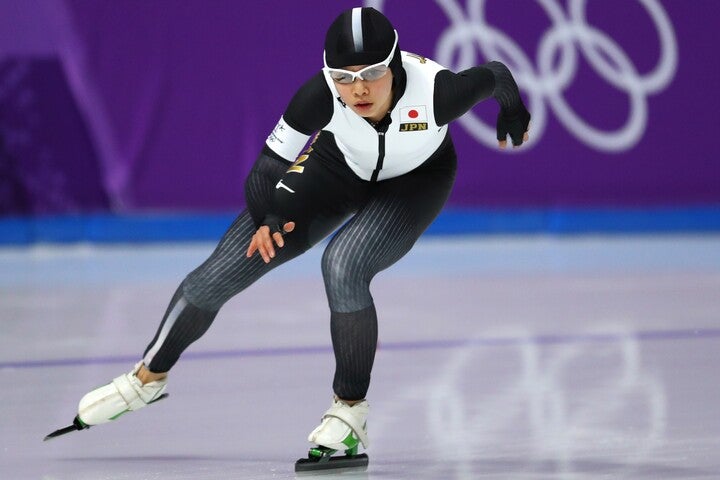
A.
pixel 413 119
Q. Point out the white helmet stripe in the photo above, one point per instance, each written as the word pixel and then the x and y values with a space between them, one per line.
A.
pixel 357 28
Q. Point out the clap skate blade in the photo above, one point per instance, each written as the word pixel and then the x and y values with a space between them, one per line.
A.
pixel 321 458
pixel 80 425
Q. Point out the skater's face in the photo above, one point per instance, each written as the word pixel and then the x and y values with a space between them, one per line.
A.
pixel 366 89
pixel 370 99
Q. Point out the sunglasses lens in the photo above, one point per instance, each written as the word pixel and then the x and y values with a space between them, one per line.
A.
pixel 369 74
pixel 341 77
pixel 375 73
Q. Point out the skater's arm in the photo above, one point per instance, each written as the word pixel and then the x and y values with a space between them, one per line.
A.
pixel 309 111
pixel 260 197
pixel 456 93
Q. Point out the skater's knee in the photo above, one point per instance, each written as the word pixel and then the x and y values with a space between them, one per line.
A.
pixel 207 292
pixel 346 284
pixel 334 267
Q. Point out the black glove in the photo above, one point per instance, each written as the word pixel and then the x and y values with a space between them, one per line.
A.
pixel 514 123
pixel 276 224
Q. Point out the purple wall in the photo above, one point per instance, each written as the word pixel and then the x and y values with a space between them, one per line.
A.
pixel 136 105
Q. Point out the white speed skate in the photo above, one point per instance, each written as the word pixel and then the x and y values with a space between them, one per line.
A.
pixel 343 427
pixel 123 394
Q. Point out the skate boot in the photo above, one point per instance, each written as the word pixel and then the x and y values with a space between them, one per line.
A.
pixel 343 427
pixel 125 393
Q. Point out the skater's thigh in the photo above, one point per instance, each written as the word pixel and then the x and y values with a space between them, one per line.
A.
pixel 386 227
pixel 315 198
pixel 228 270
pixel 318 195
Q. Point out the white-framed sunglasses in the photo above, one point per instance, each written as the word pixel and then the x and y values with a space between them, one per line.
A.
pixel 369 73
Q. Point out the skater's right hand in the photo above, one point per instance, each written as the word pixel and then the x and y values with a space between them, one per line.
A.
pixel 262 241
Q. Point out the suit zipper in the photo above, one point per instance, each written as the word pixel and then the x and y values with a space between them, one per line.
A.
pixel 381 157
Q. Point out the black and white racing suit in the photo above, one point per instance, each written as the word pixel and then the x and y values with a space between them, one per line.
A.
pixel 380 186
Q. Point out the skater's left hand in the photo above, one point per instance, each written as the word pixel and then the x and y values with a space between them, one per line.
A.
pixel 516 124
pixel 262 241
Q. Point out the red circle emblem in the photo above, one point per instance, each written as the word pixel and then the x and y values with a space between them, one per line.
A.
pixel 413 113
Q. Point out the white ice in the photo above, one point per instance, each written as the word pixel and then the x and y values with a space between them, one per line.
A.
pixel 507 358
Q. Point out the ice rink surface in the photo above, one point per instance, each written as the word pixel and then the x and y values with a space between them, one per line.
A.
pixel 500 358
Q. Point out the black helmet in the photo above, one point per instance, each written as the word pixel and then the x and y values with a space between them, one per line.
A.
pixel 362 36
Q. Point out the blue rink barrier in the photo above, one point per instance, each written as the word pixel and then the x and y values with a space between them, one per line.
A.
pixel 110 228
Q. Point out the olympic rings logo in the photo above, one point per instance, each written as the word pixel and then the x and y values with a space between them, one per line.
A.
pixel 556 64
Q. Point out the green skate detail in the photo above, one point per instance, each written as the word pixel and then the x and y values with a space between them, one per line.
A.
pixel 321 458
pixel 82 425
pixel 120 414
pixel 127 409
pixel 351 441
pixel 319 452
pixel 323 454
